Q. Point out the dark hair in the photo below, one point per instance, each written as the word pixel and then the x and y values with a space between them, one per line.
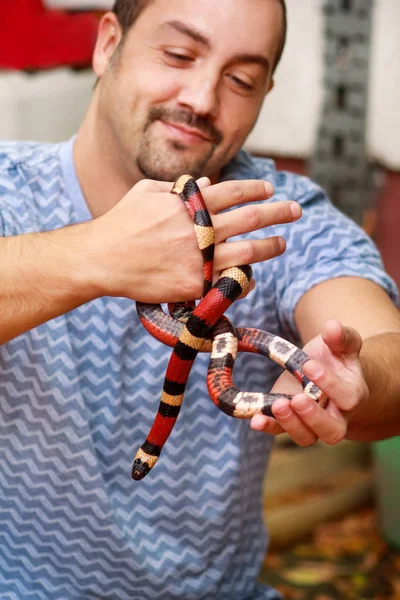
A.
pixel 128 11
pixel 284 32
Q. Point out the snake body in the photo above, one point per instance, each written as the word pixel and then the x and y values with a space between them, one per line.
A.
pixel 190 329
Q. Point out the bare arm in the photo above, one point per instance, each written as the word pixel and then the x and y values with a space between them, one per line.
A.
pixel 362 305
pixel 379 416
pixel 42 276
pixel 355 361
pixel 144 249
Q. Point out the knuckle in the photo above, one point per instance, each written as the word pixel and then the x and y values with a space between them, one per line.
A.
pixel 189 288
pixel 237 192
pixel 352 401
pixel 252 216
pixel 354 397
pixel 247 252
pixel 144 185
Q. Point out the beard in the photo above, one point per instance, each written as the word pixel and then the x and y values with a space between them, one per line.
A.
pixel 167 161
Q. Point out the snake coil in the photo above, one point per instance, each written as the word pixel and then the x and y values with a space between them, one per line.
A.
pixel 190 329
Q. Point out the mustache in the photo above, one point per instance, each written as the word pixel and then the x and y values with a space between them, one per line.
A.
pixel 176 116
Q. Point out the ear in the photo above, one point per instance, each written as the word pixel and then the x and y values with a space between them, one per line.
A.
pixel 270 86
pixel 108 37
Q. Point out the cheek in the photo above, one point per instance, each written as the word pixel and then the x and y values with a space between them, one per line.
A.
pixel 237 129
pixel 238 116
pixel 157 89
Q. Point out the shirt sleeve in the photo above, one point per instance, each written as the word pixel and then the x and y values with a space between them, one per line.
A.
pixel 17 215
pixel 7 191
pixel 323 244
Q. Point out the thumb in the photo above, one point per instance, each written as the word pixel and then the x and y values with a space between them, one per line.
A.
pixel 341 339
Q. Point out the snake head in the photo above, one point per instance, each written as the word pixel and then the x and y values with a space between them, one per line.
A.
pixel 139 469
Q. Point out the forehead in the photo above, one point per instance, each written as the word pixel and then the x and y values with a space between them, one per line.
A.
pixel 240 25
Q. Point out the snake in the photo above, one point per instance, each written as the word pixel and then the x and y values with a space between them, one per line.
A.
pixel 190 329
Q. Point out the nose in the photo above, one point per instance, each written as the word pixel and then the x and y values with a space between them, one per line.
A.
pixel 200 92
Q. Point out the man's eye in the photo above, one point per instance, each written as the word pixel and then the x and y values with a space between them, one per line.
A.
pixel 178 58
pixel 241 83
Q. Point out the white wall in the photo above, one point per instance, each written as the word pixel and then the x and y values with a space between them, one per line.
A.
pixel 50 106
pixel 384 105
pixel 45 107
pixel 287 124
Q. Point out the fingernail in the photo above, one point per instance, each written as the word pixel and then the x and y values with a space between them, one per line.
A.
pixel 295 209
pixel 314 369
pixel 282 244
pixel 203 182
pixel 269 188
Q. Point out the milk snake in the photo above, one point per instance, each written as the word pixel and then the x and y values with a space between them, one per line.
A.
pixel 190 329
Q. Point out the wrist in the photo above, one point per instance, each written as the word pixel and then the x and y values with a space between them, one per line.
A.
pixel 102 269
pixel 44 275
pixel 83 262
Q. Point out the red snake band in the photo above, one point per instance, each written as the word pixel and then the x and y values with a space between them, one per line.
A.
pixel 203 328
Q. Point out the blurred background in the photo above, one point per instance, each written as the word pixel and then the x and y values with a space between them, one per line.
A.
pixel 333 512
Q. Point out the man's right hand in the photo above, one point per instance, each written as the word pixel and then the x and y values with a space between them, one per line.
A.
pixel 146 247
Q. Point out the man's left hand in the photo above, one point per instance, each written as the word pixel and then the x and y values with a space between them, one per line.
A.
pixel 335 368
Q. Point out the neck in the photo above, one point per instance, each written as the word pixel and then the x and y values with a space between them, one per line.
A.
pixel 102 177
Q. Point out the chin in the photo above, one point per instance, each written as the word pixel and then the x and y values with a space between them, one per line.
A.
pixel 169 172
pixel 167 161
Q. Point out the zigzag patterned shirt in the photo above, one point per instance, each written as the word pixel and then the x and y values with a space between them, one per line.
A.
pixel 79 394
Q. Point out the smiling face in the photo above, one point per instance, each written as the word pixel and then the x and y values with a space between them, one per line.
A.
pixel 184 89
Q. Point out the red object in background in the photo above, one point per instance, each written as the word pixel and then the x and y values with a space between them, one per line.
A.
pixel 34 37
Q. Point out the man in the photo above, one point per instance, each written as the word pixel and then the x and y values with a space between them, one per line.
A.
pixel 180 85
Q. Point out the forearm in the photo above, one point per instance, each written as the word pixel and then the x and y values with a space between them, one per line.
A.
pixel 379 416
pixel 44 275
pixel 144 248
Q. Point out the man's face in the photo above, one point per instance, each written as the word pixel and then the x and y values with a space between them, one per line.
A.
pixel 185 89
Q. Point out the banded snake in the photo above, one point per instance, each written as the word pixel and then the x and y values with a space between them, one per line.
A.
pixel 190 329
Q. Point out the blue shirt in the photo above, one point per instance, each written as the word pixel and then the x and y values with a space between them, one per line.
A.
pixel 78 395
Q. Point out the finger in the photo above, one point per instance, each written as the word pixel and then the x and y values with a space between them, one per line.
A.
pixel 328 424
pixel 254 216
pixel 203 182
pixel 231 193
pixel 341 339
pixel 266 424
pixel 247 252
pixel 287 418
pixel 345 394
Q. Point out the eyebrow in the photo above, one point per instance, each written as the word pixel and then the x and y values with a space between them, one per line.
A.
pixel 259 59
pixel 199 37
pixel 195 34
